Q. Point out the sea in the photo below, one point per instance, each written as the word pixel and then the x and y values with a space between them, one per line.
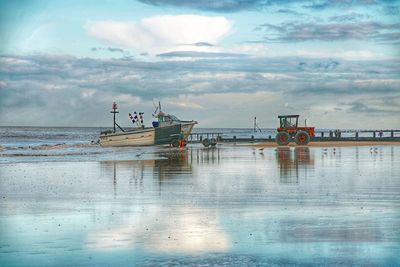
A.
pixel 66 201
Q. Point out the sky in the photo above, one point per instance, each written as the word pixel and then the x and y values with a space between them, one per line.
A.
pixel 336 63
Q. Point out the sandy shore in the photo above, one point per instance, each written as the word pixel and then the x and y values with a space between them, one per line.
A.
pixel 332 144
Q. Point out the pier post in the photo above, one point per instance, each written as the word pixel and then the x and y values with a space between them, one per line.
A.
pixel 252 138
pixel 356 135
pixel 374 134
pixel 392 134
pixel 322 135
pixel 234 138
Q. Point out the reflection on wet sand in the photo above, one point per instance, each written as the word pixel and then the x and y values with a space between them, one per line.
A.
pixel 210 155
pixel 293 161
pixel 182 230
pixel 258 207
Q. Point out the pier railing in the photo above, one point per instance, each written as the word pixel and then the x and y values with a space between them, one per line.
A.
pixel 320 135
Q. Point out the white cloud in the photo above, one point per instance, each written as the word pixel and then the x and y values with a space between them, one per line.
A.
pixel 249 48
pixel 344 54
pixel 184 104
pixel 127 98
pixel 53 87
pixel 88 93
pixel 377 82
pixel 162 34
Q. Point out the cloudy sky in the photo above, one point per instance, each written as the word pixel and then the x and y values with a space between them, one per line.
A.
pixel 334 62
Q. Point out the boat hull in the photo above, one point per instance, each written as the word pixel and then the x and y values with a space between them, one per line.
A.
pixel 187 128
pixel 167 135
pixel 142 137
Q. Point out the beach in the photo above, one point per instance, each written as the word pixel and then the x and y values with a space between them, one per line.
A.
pixel 350 143
pixel 232 205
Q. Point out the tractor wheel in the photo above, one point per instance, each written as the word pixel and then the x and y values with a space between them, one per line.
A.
pixel 302 138
pixel 282 138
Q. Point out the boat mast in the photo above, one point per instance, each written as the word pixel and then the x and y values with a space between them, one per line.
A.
pixel 114 111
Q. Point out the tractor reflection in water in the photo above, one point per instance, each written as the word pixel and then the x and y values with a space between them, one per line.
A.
pixel 292 163
pixel 289 130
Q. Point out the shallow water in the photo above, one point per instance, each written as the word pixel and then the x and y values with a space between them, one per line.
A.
pixel 231 205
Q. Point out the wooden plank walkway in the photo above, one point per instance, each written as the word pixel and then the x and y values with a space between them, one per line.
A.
pixel 321 135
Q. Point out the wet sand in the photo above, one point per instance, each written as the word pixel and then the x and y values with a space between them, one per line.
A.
pixel 224 206
pixel 334 144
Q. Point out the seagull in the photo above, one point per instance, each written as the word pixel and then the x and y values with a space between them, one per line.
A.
pixel 139 154
pixel 261 149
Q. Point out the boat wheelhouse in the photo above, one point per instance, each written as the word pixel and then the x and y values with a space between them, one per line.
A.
pixel 165 119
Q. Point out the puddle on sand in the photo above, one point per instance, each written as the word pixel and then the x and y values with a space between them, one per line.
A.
pixel 223 206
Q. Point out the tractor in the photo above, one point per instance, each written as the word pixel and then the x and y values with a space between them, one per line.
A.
pixel 289 130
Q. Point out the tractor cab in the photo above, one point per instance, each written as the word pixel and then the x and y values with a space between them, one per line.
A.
pixel 289 121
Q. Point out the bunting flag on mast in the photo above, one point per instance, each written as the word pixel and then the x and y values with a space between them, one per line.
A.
pixel 135 119
pixel 141 117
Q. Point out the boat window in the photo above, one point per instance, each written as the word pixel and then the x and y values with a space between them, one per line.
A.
pixel 174 118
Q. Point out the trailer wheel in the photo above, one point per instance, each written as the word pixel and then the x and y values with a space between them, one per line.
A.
pixel 206 142
pixel 213 142
pixel 282 138
pixel 302 138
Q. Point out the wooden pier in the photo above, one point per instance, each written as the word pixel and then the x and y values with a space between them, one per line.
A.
pixel 320 135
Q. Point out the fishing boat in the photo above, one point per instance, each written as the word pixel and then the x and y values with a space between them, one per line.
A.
pixel 141 136
pixel 165 120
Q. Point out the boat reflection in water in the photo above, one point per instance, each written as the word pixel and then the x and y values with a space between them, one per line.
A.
pixel 171 164
pixel 293 163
